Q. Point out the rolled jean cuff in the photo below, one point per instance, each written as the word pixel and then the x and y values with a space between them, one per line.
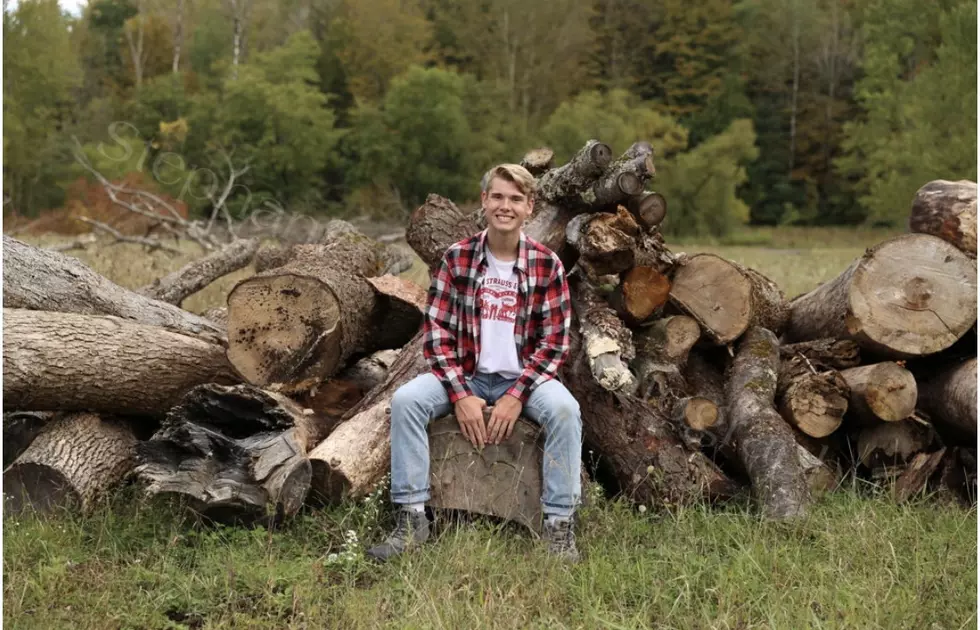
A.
pixel 408 498
pixel 561 511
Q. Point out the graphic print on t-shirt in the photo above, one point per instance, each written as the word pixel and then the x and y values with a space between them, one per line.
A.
pixel 498 300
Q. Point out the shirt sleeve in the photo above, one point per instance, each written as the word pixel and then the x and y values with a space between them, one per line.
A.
pixel 553 347
pixel 439 342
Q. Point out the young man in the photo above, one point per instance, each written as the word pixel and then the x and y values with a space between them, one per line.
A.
pixel 496 332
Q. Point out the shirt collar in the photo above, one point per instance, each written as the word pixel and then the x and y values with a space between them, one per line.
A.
pixel 520 264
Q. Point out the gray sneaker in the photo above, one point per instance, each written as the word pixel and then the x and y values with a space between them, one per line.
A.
pixel 561 540
pixel 411 530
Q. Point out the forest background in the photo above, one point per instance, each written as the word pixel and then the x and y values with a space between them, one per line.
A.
pixel 769 112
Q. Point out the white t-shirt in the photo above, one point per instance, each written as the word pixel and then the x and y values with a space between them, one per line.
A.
pixel 498 309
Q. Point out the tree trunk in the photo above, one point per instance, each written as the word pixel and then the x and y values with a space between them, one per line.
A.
pixel 234 452
pixel 42 280
pixel 726 298
pixel 909 296
pixel 548 226
pixel 950 397
pixel 436 225
pixel 606 342
pixel 537 161
pixel 650 209
pixel 578 175
pixel 194 276
pixel 764 441
pixel 178 36
pixel 63 361
pixel 291 327
pixel 881 392
pixel 605 242
pixel 823 354
pixel 357 454
pixel 661 352
pixel 73 463
pixel 650 464
pixel 624 178
pixel 947 210
pixel 696 413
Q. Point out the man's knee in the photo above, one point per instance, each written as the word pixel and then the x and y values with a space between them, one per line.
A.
pixel 415 397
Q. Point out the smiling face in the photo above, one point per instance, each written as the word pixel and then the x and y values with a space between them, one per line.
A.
pixel 505 206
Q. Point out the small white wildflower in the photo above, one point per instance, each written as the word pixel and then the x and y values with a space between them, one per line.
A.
pixel 642 509
pixel 650 469
pixel 332 558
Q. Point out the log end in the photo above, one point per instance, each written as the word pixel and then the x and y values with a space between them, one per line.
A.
pixel 891 392
pixel 31 486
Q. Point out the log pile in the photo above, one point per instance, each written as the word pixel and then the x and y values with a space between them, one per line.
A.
pixel 697 379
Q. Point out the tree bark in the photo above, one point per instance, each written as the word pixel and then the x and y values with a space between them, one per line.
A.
pixel 338 395
pixel 948 210
pixel 661 352
pixel 888 444
pixel 950 397
pixel 909 296
pixel 606 342
pixel 19 430
pixel 824 354
pixel 764 441
pixel 194 276
pixel 291 327
pixel 436 225
pixel 577 175
pixel 812 400
pixel 915 477
pixel 64 361
pixel 881 392
pixel 537 161
pixel 73 463
pixel 623 179
pixel 234 452
pixel 726 298
pixel 605 242
pixel 42 280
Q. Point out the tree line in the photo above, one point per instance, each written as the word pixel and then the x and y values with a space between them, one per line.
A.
pixel 763 111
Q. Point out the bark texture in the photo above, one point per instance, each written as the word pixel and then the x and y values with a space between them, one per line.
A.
pixel 42 280
pixel 194 276
pixel 606 341
pixel 950 397
pixel 69 362
pixel 948 210
pixel 434 226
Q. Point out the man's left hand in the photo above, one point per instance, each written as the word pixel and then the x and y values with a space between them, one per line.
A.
pixel 505 413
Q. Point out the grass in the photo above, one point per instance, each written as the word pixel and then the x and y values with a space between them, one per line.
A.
pixel 859 560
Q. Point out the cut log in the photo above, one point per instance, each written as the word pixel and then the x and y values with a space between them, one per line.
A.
pixel 638 444
pixel 814 401
pixel 661 351
pixel 606 341
pixel 623 179
pixel 356 455
pixel 885 445
pixel 537 161
pixel 339 394
pixel 650 209
pixel 820 478
pixel 73 463
pixel 909 296
pixel 914 478
pixel 726 298
pixel 764 441
pixel 64 361
pixel 605 242
pixel 696 413
pixel 824 354
pixel 948 210
pixel 548 226
pixel 272 257
pixel 950 397
pixel 579 174
pixel 237 453
pixel 502 480
pixel 881 392
pixel 398 311
pixel 42 280
pixel 642 292
pixel 19 430
pixel 194 276
pixel 291 327
pixel 436 225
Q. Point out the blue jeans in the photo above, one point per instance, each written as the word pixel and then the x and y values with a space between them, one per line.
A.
pixel 550 405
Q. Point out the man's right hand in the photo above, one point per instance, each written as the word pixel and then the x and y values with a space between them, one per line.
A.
pixel 469 414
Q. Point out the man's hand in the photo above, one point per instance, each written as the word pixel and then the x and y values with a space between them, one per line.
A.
pixel 469 414
pixel 502 419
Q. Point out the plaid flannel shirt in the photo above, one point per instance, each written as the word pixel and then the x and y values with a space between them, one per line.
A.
pixel 452 319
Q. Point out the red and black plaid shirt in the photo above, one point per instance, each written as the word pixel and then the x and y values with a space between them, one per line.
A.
pixel 452 319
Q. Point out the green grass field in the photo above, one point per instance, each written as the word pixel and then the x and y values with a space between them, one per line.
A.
pixel 859 560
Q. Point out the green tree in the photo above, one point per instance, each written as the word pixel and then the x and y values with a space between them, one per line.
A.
pixel 919 98
pixel 40 72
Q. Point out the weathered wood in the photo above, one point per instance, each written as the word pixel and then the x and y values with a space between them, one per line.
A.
pixel 909 296
pixel 661 351
pixel 339 394
pixel 502 480
pixel 638 444
pixel 811 399
pixel 887 444
pixel 640 293
pixel 434 226
pixel 824 354
pixel 293 326
pixel 577 175
pixel 914 478
pixel 64 361
pixel 605 241
pixel 950 397
pixel 19 430
pixel 236 453
pixel 820 478
pixel 606 341
pixel 548 226
pixel 650 209
pixel 726 298
pixel 881 392
pixel 695 412
pixel 537 161
pixel 764 441
pixel 624 178
pixel 398 311
pixel 71 464
pixel 42 280
pixel 194 276
pixel 948 210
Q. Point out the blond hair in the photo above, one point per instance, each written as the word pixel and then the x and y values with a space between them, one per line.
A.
pixel 513 173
